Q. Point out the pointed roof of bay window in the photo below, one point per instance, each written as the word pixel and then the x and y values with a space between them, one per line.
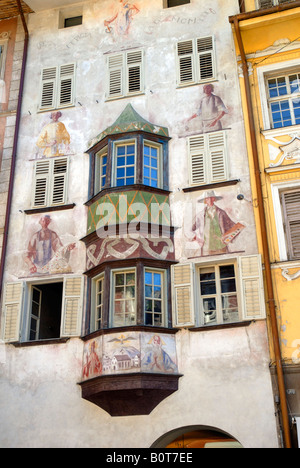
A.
pixel 130 121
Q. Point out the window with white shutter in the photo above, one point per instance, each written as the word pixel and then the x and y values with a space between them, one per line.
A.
pixel 290 202
pixel 3 53
pixel 196 61
pixel 72 306
pixel 125 74
pixel 251 278
pixel 57 87
pixel 207 158
pixel 50 182
pixel 183 295
pixel 11 313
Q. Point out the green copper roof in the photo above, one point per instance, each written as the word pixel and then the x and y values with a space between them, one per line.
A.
pixel 130 121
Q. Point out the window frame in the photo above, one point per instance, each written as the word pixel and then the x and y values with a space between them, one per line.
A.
pixel 3 54
pixel 118 74
pixel 159 147
pixel 163 274
pixel 195 62
pixel 48 181
pixel 113 274
pixel 55 76
pixel 116 145
pixel 288 97
pixel 98 176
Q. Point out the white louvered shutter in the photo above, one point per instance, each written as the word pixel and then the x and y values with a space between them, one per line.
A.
pixel 12 305
pixel 291 209
pixel 58 192
pixel 197 160
pixel 134 72
pixel 48 88
pixel 183 295
pixel 41 184
pixel 66 85
pixel 72 306
pixel 115 75
pixel 205 51
pixel 253 301
pixel 186 67
pixel 217 156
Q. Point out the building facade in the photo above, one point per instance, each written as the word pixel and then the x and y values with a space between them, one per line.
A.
pixel 133 308
pixel 267 44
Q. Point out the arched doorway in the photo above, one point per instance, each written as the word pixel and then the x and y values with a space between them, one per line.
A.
pixel 196 437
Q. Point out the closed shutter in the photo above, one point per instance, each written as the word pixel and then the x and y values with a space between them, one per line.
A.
pixel 72 306
pixel 134 71
pixel 48 91
pixel 197 160
pixel 291 210
pixel 185 55
pixel 217 156
pixel 115 78
pixel 183 295
pixel 66 85
pixel 60 169
pixel 12 311
pixel 205 50
pixel 253 303
pixel 41 184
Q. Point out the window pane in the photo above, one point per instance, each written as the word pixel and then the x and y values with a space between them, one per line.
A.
pixel 209 308
pixel 151 164
pixel 295 83
pixel 153 298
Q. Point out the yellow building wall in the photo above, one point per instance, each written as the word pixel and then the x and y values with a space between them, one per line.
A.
pixel 262 38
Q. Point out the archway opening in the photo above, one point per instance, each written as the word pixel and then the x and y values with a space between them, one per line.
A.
pixel 197 437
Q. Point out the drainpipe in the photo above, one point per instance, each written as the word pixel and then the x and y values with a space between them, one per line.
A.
pixel 265 245
pixel 14 151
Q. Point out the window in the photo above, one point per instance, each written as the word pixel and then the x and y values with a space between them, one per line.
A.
pixel 57 87
pixel 125 164
pixel 284 99
pixel 99 302
pixel 50 184
pixel 151 165
pixel 154 298
pixel 3 50
pixel 271 3
pixel 196 61
pixel 100 170
pixel 125 74
pixel 42 311
pixel 216 294
pixel 124 298
pixel 74 21
pixel 290 202
pixel 174 3
pixel 207 158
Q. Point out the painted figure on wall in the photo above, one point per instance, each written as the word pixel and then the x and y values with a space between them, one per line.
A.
pixel 156 357
pixel 92 365
pixel 54 139
pixel 46 253
pixel 213 229
pixel 211 110
pixel 122 18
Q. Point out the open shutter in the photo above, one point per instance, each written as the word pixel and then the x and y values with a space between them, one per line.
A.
pixel 66 85
pixel 48 90
pixel 185 56
pixel 253 303
pixel 291 209
pixel 134 71
pixel 197 160
pixel 72 306
pixel 12 304
pixel 205 51
pixel 41 184
pixel 60 169
pixel 183 295
pixel 217 156
pixel 115 75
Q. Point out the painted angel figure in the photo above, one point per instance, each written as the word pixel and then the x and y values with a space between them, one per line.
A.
pixel 122 19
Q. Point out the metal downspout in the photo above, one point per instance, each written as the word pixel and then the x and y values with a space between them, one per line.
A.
pixel 15 144
pixel 264 238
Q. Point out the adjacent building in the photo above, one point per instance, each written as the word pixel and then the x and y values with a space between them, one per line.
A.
pixel 133 309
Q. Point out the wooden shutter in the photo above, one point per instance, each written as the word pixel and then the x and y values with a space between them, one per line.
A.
pixel 41 184
pixel 185 55
pixel 205 51
pixel 48 91
pixel 253 302
pixel 183 295
pixel 60 168
pixel 66 85
pixel 115 75
pixel 197 160
pixel 72 306
pixel 291 210
pixel 134 71
pixel 217 156
pixel 12 305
